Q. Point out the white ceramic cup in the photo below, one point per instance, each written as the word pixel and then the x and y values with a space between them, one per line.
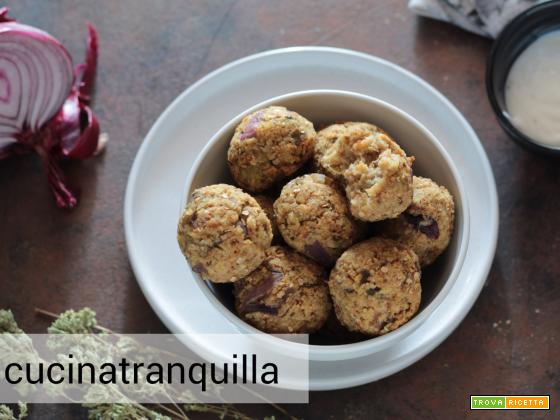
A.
pixel 432 161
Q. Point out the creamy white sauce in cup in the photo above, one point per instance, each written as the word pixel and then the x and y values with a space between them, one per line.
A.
pixel 532 90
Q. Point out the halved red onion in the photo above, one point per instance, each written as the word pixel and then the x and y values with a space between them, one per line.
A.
pixel 44 102
pixel 36 77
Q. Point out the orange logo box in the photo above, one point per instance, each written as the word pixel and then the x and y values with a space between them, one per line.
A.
pixel 529 402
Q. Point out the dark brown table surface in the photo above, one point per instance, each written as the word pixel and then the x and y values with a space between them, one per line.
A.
pixel 150 51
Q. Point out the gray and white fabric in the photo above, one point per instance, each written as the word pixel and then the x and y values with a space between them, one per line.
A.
pixel 483 17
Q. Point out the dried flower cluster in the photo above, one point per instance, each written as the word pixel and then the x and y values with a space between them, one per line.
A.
pixel 84 322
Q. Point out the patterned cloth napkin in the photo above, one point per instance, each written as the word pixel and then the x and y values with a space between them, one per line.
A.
pixel 483 17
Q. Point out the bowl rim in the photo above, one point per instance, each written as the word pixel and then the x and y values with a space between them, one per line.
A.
pixel 373 344
pixel 516 25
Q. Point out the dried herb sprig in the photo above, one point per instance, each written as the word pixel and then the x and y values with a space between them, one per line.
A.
pixel 9 325
pixel 84 322
pixel 7 322
pixel 6 413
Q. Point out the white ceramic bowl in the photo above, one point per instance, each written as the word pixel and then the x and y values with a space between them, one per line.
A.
pixel 327 106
